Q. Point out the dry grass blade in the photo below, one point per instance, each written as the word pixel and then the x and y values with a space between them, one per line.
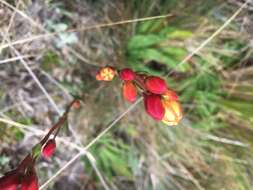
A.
pixel 39 26
pixel 226 141
pixel 16 58
pixel 97 26
pixel 100 176
pixel 217 32
pixel 54 81
pixel 34 76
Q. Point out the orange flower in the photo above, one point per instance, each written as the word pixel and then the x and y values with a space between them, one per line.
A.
pixel 173 112
pixel 170 95
pixel 106 74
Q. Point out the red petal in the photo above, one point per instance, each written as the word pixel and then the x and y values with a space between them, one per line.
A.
pixel 155 85
pixel 129 91
pixel 154 107
pixel 9 181
pixel 49 148
pixel 127 74
pixel 30 181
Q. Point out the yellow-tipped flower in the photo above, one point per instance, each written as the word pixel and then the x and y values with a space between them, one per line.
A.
pixel 106 74
pixel 173 112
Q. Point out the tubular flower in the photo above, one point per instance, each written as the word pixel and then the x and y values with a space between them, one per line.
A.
pixel 127 74
pixel 49 148
pixel 154 107
pixel 155 85
pixel 106 74
pixel 30 181
pixel 9 181
pixel 173 112
pixel 129 91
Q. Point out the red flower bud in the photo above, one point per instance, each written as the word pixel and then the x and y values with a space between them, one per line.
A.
pixel 155 85
pixel 154 107
pixel 127 74
pixel 49 148
pixel 9 181
pixel 129 91
pixel 30 181
pixel 77 104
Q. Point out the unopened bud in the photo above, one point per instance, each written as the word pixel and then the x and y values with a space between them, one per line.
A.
pixel 129 91
pixel 154 107
pixel 77 104
pixel 155 85
pixel 49 148
pixel 127 74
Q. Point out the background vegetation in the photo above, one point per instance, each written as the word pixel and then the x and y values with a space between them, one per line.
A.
pixel 211 148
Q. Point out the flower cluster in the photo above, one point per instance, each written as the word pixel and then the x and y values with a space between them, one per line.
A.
pixel 160 102
pixel 24 177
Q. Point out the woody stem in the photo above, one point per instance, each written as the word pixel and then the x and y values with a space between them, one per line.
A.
pixel 60 122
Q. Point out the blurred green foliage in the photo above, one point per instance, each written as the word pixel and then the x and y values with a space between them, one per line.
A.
pixel 152 43
pixel 111 157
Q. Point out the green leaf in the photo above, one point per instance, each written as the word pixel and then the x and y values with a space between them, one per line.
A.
pixel 180 34
pixel 151 54
pixel 143 41
pixel 49 61
pixel 19 135
pixel 176 52
pixel 36 151
pixel 150 26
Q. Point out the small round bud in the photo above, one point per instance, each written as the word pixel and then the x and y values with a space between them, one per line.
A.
pixel 77 104
pixel 49 148
pixel 127 74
